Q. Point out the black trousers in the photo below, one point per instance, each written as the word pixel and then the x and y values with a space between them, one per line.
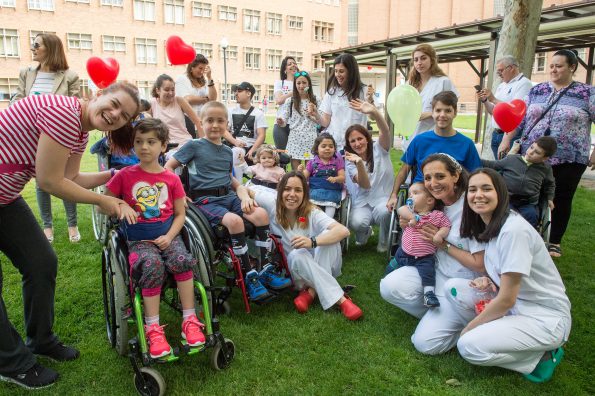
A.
pixel 23 242
pixel 567 177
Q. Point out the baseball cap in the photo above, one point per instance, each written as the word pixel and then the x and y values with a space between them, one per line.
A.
pixel 244 86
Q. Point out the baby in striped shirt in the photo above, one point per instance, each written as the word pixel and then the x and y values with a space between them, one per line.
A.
pixel 421 208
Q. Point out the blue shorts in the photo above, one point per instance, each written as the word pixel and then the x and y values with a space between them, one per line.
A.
pixel 214 208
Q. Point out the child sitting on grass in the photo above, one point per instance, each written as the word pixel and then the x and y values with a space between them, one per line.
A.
pixel 421 208
pixel 152 232
pixel 527 176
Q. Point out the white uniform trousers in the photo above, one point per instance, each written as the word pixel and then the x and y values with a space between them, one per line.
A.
pixel 363 217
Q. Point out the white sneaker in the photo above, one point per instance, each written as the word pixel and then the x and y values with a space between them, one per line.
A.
pixel 381 248
pixel 368 235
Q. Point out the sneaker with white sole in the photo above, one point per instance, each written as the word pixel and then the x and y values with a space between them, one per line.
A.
pixel 369 233
pixel 37 377
pixel 158 345
pixel 192 331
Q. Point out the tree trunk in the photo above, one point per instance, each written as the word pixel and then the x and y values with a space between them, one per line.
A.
pixel 518 37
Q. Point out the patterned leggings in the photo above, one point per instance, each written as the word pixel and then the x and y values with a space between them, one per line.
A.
pixel 148 263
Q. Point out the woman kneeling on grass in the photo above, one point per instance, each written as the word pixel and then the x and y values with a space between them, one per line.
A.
pixel 524 326
pixel 311 242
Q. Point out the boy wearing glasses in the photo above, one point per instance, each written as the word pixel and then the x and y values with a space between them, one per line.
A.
pixel 247 128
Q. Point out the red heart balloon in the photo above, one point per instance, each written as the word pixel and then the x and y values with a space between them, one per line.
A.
pixel 103 72
pixel 509 115
pixel 178 52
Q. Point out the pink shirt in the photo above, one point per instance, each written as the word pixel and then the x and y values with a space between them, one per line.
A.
pixel 173 117
pixel 271 175
pixel 152 195
pixel 413 242
pixel 21 124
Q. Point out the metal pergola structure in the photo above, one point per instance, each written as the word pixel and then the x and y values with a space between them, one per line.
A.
pixel 566 26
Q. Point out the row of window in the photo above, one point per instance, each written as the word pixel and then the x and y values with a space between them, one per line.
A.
pixel 174 13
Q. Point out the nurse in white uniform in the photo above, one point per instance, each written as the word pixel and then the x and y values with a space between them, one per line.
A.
pixel 524 326
pixel 311 241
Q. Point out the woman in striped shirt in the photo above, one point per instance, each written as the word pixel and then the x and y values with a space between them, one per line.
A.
pixel 44 136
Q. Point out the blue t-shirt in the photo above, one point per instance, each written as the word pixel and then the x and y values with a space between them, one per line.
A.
pixel 459 146
pixel 209 164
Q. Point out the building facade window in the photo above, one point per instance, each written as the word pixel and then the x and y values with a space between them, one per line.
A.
pixel 582 54
pixel 298 56
pixel 295 22
pixel 8 87
pixel 274 59
pixel 114 43
pixel 225 91
pixel 144 88
pixel 270 93
pixel 9 43
pixel 144 10
pixel 78 1
pixel 258 94
pixel 146 51
pixel 227 13
pixel 251 21
pixel 8 3
pixel 113 3
pixel 231 52
pixel 41 5
pixel 352 21
pixel 200 9
pixel 317 62
pixel 173 12
pixel 539 62
pixel 204 49
pixel 79 41
pixel 323 31
pixel 274 22
pixel 252 58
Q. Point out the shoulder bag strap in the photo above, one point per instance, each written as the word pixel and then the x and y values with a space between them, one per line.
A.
pixel 246 117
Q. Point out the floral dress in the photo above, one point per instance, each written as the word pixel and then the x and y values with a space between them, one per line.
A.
pixel 302 132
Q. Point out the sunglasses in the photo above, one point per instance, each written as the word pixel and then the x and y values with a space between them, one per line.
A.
pixel 302 73
pixel 35 45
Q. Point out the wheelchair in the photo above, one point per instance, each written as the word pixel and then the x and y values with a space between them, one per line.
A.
pixel 123 311
pixel 395 232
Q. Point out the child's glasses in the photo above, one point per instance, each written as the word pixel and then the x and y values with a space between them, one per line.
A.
pixel 300 73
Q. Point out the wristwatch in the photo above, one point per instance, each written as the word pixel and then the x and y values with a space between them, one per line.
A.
pixel 447 246
pixel 211 83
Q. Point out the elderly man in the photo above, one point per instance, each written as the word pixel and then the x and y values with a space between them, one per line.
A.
pixel 513 86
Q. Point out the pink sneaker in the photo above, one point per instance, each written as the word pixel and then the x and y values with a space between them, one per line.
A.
pixel 158 346
pixel 192 331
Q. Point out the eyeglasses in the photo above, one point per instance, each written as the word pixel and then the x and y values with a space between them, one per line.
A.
pixel 302 73
pixel 35 45
pixel 502 70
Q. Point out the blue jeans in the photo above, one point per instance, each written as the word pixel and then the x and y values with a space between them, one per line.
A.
pixel 529 212
pixel 496 140
pixel 424 265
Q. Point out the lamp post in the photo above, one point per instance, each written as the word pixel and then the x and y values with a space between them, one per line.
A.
pixel 224 44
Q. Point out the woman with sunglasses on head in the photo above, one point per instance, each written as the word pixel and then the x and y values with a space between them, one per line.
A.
pixel 44 136
pixel 283 90
pixel 565 110
pixel 197 87
pixel 50 76
pixel 344 85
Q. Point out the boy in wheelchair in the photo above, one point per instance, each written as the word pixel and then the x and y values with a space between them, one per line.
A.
pixel 152 231
pixel 526 176
pixel 223 200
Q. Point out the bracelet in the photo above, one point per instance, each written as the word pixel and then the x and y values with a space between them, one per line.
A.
pixel 112 172
pixel 446 247
pixel 211 83
pixel 314 244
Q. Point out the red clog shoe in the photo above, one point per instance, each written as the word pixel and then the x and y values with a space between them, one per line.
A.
pixel 302 301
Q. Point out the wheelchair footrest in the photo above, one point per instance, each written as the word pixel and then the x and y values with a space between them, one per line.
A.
pixel 189 350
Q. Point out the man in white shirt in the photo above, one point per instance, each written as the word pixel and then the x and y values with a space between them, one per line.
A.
pixel 514 85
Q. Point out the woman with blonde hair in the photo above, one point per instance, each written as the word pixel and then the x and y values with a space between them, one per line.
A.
pixel 50 76
pixel 428 78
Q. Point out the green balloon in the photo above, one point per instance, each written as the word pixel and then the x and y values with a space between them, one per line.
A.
pixel 404 108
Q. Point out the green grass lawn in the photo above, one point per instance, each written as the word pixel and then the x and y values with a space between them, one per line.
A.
pixel 282 352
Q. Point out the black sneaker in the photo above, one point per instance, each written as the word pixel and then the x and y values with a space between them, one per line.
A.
pixel 36 377
pixel 60 353
pixel 430 299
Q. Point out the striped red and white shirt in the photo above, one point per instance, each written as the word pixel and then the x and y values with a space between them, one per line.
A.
pixel 413 242
pixel 21 124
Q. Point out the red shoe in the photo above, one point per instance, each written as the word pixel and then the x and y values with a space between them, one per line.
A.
pixel 302 301
pixel 350 310
pixel 192 331
pixel 158 346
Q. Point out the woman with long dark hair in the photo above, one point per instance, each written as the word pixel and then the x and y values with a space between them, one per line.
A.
pixel 283 90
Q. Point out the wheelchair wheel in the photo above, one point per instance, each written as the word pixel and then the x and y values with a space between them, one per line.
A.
pixel 546 223
pixel 115 298
pixel 345 212
pixel 99 220
pixel 220 360
pixel 394 230
pixel 154 382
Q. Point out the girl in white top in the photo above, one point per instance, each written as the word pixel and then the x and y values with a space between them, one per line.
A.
pixel 429 79
pixel 439 328
pixel 343 86
pixel 524 326
pixel 369 173
pixel 196 86
pixel 283 90
pixel 311 244
pixel 170 109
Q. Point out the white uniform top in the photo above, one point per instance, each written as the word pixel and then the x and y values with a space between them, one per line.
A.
pixel 318 222
pixel 342 116
pixel 517 88
pixel 447 266
pixel 519 249
pixel 381 180
pixel 284 87
pixel 435 85
pixel 184 87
